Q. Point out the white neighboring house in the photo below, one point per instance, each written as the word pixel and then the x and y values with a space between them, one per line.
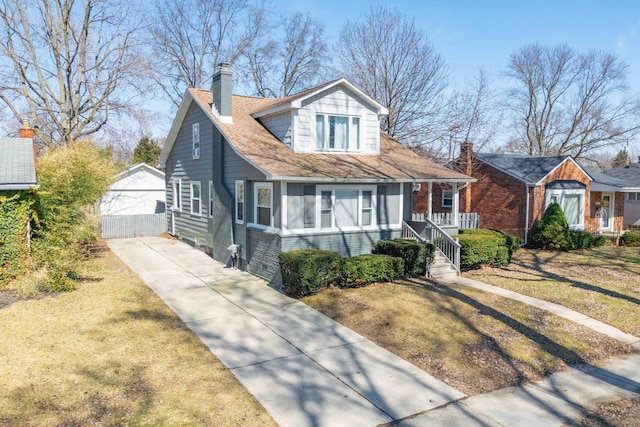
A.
pixel 138 190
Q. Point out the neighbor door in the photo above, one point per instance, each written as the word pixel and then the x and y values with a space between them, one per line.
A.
pixel 606 220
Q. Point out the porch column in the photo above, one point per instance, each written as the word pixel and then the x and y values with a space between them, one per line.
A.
pixel 455 208
pixel 429 201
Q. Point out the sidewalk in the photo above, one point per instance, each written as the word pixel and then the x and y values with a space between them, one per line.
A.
pixel 554 401
pixel 304 368
pixel 307 370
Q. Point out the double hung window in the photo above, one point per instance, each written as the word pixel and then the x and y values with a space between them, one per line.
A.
pixel 339 133
pixel 195 198
pixel 263 204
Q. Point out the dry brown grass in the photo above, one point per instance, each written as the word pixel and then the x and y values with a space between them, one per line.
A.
pixel 623 413
pixel 603 283
pixel 112 353
pixel 474 341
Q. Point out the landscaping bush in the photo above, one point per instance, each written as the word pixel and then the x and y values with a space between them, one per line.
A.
pixel 477 250
pixel 484 246
pixel 306 271
pixel 631 238
pixel 552 231
pixel 365 269
pixel 582 239
pixel 599 241
pixel 414 254
pixel 15 212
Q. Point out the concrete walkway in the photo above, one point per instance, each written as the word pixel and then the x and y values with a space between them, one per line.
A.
pixel 304 368
pixel 308 370
pixel 554 401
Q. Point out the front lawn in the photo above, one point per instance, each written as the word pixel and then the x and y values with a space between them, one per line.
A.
pixel 603 283
pixel 112 353
pixel 475 341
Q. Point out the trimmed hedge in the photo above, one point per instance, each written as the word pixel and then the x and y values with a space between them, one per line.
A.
pixel 306 271
pixel 366 269
pixel 486 247
pixel 631 238
pixel 582 239
pixel 414 254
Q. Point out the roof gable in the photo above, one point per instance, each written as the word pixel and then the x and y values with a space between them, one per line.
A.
pixel 296 101
pixel 531 170
pixel 17 164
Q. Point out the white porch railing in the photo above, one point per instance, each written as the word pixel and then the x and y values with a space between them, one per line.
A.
pixel 410 233
pixel 465 220
pixel 445 243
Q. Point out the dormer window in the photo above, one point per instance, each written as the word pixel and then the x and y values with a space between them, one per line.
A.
pixel 340 133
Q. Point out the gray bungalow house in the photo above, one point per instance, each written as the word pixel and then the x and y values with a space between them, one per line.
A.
pixel 311 170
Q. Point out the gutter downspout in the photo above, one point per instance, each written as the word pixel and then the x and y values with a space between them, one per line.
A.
pixel 526 218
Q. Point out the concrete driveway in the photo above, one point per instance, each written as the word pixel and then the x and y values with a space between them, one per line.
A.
pixel 305 369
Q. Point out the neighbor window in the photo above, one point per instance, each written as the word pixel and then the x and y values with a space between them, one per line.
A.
pixel 447 198
pixel 263 204
pixel 196 140
pixel 633 197
pixel 240 202
pixel 195 198
pixel 177 195
pixel 337 132
pixel 572 203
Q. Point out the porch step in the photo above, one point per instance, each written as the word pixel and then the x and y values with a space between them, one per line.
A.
pixel 441 267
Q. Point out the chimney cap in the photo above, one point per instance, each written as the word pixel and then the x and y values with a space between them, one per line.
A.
pixel 224 65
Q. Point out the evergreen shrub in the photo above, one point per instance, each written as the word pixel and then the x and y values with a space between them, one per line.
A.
pixel 552 231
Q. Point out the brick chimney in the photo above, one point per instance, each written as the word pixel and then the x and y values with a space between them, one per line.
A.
pixel 221 87
pixel 466 151
pixel 25 131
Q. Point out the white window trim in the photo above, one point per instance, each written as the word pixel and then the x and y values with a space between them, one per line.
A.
pixel 561 193
pixel 359 188
pixel 195 140
pixel 244 201
pixel 354 144
pixel 177 192
pixel 191 198
pixel 256 186
pixel 450 206
pixel 210 199
pixel 636 197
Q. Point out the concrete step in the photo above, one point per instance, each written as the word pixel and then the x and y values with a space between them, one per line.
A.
pixel 441 267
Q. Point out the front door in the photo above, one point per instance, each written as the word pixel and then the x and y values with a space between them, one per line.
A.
pixel 606 218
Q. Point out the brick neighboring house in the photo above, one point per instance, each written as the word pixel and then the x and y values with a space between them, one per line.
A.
pixel 513 191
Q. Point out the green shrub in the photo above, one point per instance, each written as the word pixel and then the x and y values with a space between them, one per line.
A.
pixel 365 269
pixel 484 246
pixel 477 250
pixel 631 238
pixel 306 271
pixel 582 239
pixel 600 241
pixel 15 212
pixel 414 254
pixel 552 231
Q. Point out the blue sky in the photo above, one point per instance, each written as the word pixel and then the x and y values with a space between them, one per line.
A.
pixel 473 33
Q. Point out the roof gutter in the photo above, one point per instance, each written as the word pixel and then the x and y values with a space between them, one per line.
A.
pixel 365 180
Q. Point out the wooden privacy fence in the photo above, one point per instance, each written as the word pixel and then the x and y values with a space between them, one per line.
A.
pixel 121 226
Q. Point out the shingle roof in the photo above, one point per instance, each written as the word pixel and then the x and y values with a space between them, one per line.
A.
pixel 529 169
pixel 17 168
pixel 604 178
pixel 630 174
pixel 258 146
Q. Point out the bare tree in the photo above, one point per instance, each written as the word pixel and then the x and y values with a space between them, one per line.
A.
pixel 294 61
pixel 471 116
pixel 567 102
pixel 66 65
pixel 190 37
pixel 391 60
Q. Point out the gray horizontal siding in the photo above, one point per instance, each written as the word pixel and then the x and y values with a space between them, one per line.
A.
pixel 280 126
pixel 347 244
